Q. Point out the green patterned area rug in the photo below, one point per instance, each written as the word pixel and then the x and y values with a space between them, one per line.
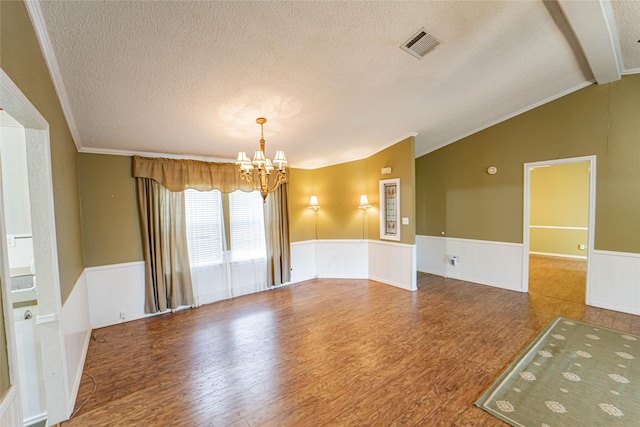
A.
pixel 572 374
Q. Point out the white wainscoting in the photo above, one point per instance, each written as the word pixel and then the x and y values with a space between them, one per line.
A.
pixel 393 264
pixel 303 261
pixel 10 411
pixel 615 281
pixel 227 280
pixel 29 349
pixel 115 289
pixel 496 264
pixel 76 328
pixel 342 259
pixel 387 262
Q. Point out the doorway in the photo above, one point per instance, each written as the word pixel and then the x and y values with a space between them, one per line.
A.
pixel 559 206
pixel 21 265
pixel 47 319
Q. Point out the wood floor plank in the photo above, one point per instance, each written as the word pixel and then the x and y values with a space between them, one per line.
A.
pixel 324 352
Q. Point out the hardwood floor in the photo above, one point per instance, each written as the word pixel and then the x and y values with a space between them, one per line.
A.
pixel 557 277
pixel 323 352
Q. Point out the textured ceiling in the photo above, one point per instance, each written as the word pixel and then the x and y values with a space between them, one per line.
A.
pixel 190 78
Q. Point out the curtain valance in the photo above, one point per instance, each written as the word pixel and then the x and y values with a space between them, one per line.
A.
pixel 178 175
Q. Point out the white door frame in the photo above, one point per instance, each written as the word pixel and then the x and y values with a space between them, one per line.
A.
pixel 591 222
pixel 45 249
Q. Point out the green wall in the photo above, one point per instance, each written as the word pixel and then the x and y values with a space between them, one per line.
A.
pixel 22 60
pixel 455 195
pixel 110 222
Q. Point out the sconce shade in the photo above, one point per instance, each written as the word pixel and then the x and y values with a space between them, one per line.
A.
pixel 364 202
pixel 313 203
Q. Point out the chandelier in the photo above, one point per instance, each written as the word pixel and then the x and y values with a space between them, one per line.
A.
pixel 259 172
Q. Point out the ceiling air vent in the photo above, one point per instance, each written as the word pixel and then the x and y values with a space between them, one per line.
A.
pixel 420 44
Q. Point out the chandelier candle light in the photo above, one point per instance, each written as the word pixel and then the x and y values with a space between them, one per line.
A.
pixel 258 172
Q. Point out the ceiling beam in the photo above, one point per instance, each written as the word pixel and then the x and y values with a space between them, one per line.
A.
pixel 594 26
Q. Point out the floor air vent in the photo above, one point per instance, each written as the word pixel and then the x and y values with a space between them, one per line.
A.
pixel 420 44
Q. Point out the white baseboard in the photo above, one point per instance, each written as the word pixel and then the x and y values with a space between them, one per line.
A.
pixel 35 419
pixel 558 255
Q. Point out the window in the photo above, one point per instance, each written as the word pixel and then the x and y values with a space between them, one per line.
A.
pixel 205 214
pixel 246 225
pixel 205 231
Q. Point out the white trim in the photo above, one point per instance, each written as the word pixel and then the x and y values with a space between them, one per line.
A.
pixel 484 242
pixel 383 216
pixel 615 307
pixel 23 102
pixel 526 217
pixel 33 7
pixel 11 408
pixel 114 266
pixel 591 28
pixel 47 318
pixel 610 23
pixel 613 253
pixel 383 242
pixel 369 241
pixel 507 117
pixel 45 245
pixel 558 255
pixel 631 71
pixel 35 419
pixel 558 227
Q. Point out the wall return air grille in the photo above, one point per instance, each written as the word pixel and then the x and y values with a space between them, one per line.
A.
pixel 420 44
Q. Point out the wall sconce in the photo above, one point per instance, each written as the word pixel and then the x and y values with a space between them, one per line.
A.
pixel 364 202
pixel 313 204
pixel 364 205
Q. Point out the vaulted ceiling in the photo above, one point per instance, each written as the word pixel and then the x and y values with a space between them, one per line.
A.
pixel 189 78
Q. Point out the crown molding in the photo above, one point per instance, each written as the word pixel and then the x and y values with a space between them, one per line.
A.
pixel 37 20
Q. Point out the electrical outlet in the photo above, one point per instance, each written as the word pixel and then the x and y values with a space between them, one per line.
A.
pixel 11 241
pixel 582 246
pixel 122 315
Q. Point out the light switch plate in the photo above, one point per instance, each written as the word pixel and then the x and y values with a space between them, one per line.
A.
pixel 11 241
pixel 405 220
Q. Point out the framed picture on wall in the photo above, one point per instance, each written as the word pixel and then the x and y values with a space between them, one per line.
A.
pixel 390 209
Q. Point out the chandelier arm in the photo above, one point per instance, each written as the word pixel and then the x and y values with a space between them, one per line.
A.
pixel 280 178
pixel 248 176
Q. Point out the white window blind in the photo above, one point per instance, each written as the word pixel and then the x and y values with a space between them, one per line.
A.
pixel 205 227
pixel 246 224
